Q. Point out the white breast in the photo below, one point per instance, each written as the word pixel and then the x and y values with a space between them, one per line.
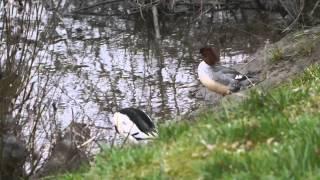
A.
pixel 206 75
pixel 128 129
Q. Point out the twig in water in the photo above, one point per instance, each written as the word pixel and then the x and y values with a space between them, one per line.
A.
pixel 87 142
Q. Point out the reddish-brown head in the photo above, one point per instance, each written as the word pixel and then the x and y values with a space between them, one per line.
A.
pixel 210 55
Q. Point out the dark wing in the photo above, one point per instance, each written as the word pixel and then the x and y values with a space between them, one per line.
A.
pixel 228 76
pixel 142 121
pixel 241 81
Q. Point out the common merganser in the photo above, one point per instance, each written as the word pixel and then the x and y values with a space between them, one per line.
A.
pixel 220 79
pixel 135 125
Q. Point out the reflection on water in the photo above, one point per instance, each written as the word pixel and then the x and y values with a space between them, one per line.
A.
pixel 99 70
pixel 90 66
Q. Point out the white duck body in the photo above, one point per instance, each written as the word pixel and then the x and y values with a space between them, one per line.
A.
pixel 135 125
pixel 220 79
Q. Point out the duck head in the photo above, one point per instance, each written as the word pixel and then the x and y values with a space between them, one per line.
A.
pixel 210 55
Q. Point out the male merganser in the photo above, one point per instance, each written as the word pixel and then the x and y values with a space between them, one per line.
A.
pixel 217 78
pixel 135 125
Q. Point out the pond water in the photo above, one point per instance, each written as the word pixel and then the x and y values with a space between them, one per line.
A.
pixel 90 66
pixel 100 65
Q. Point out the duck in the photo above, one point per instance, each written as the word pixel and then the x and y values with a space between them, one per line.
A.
pixel 134 125
pixel 220 79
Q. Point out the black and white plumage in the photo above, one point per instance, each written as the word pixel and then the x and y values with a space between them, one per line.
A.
pixel 220 79
pixel 135 125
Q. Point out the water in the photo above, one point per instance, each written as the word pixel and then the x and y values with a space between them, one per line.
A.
pixel 126 67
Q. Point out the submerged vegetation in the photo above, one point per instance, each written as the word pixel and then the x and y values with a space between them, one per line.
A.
pixel 271 134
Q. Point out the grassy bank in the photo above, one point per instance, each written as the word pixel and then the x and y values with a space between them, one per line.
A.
pixel 273 134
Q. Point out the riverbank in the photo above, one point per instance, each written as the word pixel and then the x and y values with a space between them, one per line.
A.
pixel 273 133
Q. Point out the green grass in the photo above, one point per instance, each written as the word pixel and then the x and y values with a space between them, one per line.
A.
pixel 271 135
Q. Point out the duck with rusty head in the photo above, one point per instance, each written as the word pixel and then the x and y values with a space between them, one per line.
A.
pixel 220 79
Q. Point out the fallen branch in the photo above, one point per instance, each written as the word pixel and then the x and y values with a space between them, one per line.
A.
pixel 95 5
